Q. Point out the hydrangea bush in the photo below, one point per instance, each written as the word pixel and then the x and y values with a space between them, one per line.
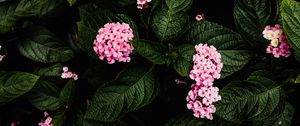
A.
pixel 149 62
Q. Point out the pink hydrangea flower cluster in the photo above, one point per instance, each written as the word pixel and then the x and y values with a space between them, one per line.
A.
pixel 1 56
pixel 47 121
pixel 67 74
pixel 279 45
pixel 207 67
pixel 112 42
pixel 141 3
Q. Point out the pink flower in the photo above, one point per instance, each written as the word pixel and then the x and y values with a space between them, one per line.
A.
pixel 66 74
pixel 199 17
pixel 1 56
pixel 13 124
pixel 141 3
pixel 47 120
pixel 112 42
pixel 207 67
pixel 279 45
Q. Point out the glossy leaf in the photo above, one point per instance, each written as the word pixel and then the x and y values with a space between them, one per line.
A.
pixel 133 88
pixel 228 43
pixel 170 19
pixel 183 62
pixel 42 46
pixel 68 92
pixel 291 23
pixel 44 96
pixel 153 52
pixel 15 84
pixel 54 70
pixel 251 100
pixel 251 16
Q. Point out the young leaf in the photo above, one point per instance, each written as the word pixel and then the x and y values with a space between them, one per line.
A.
pixel 71 2
pixel 228 43
pixel 68 92
pixel 183 63
pixel 251 16
pixel 54 70
pixel 250 100
pixel 170 19
pixel 290 13
pixel 15 84
pixel 133 88
pixel 42 46
pixel 44 96
pixel 153 52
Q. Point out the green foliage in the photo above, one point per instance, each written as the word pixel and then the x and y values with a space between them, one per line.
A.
pixel 42 46
pixel 230 44
pixel 153 52
pixel 133 88
pixel 44 96
pixel 54 70
pixel 170 19
pixel 15 84
pixel 257 98
pixel 183 61
pixel 291 19
pixel 251 16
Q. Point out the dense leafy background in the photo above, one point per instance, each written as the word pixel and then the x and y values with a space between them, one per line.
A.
pixel 39 37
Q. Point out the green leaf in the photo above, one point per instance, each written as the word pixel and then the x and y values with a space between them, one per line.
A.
pixel 42 46
pixel 15 84
pixel 14 12
pixel 44 96
pixel 59 119
pixel 71 2
pixel 54 70
pixel 228 43
pixel 153 52
pixel 290 13
pixel 183 63
pixel 68 92
pixel 50 7
pixel 251 16
pixel 297 81
pixel 132 89
pixel 251 100
pixel 284 119
pixel 126 2
pixel 170 19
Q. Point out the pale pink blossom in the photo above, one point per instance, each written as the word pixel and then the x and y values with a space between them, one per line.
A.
pixel 112 42
pixel 207 67
pixel 13 124
pixel 1 56
pixel 47 121
pixel 67 74
pixel 279 45
pixel 142 3
pixel 199 17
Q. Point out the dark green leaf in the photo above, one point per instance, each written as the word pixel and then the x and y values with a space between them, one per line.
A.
pixel 153 52
pixel 15 84
pixel 44 96
pixel 132 89
pixel 42 46
pixel 284 119
pixel 126 2
pixel 183 63
pixel 170 19
pixel 68 92
pixel 11 13
pixel 50 6
pixel 228 43
pixel 290 13
pixel 59 119
pixel 251 16
pixel 251 100
pixel 54 70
